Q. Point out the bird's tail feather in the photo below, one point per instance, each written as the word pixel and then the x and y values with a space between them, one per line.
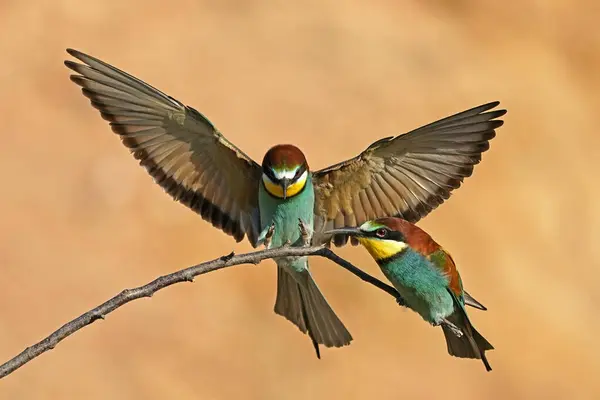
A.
pixel 303 304
pixel 471 344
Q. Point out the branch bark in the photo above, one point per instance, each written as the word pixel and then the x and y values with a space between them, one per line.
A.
pixel 184 275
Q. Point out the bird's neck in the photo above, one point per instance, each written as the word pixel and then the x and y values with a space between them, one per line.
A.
pixel 297 189
pixel 383 250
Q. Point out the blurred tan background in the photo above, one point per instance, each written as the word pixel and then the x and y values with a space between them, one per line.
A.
pixel 80 220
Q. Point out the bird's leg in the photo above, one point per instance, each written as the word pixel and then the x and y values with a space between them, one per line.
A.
pixel 263 234
pixel 305 232
pixel 269 236
pixel 455 329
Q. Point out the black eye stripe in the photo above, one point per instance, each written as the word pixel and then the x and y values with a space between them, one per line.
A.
pixel 300 171
pixel 269 172
pixel 390 235
pixel 395 235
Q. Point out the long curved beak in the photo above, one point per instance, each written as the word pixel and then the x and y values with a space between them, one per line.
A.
pixel 345 231
pixel 285 183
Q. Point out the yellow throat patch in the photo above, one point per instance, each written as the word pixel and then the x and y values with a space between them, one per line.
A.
pixel 381 248
pixel 292 190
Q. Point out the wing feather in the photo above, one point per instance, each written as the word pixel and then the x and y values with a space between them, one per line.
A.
pixel 177 145
pixel 405 176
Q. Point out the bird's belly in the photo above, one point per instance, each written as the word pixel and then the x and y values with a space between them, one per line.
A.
pixel 431 302
pixel 285 215
pixel 431 306
pixel 287 229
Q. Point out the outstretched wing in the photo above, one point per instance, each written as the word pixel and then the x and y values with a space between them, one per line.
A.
pixel 405 176
pixel 177 145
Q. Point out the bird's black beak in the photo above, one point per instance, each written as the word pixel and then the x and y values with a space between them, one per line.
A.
pixel 345 231
pixel 285 183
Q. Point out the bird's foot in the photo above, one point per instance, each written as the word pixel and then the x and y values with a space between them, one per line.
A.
pixel 305 232
pixel 455 329
pixel 269 236
pixel 400 301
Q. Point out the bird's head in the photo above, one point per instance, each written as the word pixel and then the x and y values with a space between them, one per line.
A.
pixel 384 238
pixel 285 171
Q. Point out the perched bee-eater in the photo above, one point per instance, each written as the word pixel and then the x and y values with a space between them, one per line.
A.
pixel 408 176
pixel 426 278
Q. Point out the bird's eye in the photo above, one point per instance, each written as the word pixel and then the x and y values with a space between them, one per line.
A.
pixel 381 232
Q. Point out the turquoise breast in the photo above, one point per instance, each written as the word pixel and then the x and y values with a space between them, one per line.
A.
pixel 285 213
pixel 421 284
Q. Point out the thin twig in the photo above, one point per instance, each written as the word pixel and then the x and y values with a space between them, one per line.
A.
pixel 184 275
pixel 324 252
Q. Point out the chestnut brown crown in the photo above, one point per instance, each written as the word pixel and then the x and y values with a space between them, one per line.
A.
pixel 284 161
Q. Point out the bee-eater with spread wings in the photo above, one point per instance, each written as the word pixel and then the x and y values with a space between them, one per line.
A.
pixel 407 175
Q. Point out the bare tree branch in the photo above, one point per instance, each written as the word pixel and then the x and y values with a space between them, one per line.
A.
pixel 184 275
